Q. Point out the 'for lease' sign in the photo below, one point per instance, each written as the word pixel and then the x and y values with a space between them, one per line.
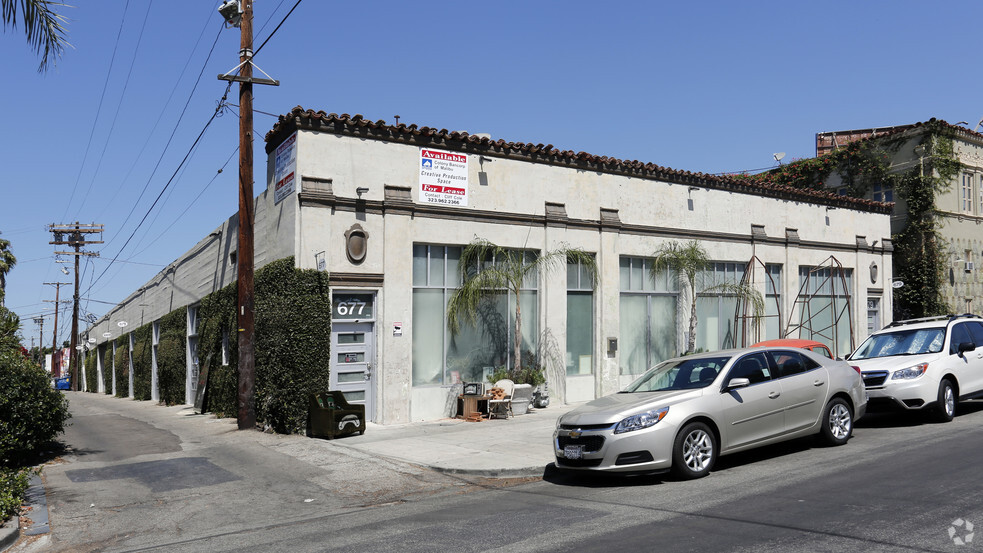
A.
pixel 443 177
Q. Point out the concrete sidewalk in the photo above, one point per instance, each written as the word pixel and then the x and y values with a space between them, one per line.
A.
pixel 515 447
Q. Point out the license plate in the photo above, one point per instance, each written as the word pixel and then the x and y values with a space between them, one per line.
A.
pixel 573 452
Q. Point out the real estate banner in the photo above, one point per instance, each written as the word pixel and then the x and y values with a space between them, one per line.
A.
pixel 285 170
pixel 443 177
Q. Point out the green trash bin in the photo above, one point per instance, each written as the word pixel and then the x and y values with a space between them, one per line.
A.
pixel 330 416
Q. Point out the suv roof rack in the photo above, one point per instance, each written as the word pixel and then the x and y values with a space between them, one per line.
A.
pixel 935 318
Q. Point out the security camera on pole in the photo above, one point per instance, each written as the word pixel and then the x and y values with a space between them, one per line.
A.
pixel 240 15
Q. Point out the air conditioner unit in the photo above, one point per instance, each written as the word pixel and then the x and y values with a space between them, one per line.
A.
pixel 969 266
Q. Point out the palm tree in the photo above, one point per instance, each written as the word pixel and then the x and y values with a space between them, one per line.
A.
pixel 44 27
pixel 7 262
pixel 689 262
pixel 488 269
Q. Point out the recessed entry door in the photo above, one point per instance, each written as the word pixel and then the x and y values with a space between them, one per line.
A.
pixel 353 349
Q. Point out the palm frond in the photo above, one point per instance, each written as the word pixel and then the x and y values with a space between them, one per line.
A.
pixel 45 28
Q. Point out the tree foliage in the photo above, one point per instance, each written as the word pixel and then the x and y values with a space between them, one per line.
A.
pixel 44 27
pixel 31 411
pixel 689 263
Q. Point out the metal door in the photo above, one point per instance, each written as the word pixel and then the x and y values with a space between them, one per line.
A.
pixel 352 363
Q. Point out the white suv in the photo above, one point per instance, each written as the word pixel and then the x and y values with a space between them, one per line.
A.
pixel 927 363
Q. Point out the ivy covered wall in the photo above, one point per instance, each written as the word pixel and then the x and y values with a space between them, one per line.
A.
pixel 122 363
pixel 142 351
pixel 920 257
pixel 172 357
pixel 293 336
pixel 91 378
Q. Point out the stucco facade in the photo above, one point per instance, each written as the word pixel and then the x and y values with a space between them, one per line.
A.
pixel 959 203
pixel 356 209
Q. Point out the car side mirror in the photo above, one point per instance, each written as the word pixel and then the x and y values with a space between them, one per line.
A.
pixel 738 383
pixel 966 346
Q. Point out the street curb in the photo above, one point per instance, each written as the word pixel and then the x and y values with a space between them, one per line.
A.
pixel 528 472
pixel 9 533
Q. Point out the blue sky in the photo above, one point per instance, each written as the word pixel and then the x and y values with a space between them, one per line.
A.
pixel 700 86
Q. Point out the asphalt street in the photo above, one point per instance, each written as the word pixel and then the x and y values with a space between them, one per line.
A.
pixel 193 483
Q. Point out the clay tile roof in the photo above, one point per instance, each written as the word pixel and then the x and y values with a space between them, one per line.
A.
pixel 344 124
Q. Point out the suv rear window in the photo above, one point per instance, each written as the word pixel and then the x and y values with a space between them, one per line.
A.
pixel 902 342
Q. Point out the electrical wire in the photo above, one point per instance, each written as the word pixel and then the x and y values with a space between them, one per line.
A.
pixel 166 186
pixel 160 116
pixel 178 218
pixel 171 137
pixel 256 51
pixel 102 98
pixel 112 126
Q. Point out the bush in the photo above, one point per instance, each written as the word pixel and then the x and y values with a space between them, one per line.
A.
pixel 32 413
pixel 13 484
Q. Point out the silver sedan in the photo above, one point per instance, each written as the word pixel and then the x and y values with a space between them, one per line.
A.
pixel 683 413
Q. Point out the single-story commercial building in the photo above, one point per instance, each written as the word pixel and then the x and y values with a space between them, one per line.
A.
pixel 386 210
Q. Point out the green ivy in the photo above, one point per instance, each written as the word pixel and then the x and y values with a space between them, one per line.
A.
pixel 142 351
pixel 172 357
pixel 122 362
pixel 107 368
pixel 919 257
pixel 293 335
pixel 91 376
pixel 217 319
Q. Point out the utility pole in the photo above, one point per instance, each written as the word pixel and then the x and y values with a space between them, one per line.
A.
pixel 240 14
pixel 40 322
pixel 54 335
pixel 76 238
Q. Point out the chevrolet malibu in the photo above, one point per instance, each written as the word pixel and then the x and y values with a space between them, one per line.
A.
pixel 683 413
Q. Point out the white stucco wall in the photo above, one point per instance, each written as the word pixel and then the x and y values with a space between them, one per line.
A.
pixel 651 213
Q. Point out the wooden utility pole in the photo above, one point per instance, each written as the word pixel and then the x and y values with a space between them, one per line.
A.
pixel 76 239
pixel 244 256
pixel 40 322
pixel 54 334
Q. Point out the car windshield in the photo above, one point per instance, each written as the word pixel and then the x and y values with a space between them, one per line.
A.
pixel 679 374
pixel 902 342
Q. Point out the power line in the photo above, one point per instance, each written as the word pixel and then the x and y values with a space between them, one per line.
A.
pixel 169 140
pixel 277 28
pixel 169 181
pixel 112 126
pixel 160 115
pixel 92 133
pixel 178 218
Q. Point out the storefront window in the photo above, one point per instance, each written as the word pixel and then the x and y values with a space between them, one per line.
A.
pixel 824 305
pixel 773 302
pixel 716 310
pixel 647 316
pixel 476 350
pixel 580 320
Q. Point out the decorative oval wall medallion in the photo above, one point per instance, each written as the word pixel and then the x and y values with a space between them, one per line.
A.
pixel 356 243
pixel 873 273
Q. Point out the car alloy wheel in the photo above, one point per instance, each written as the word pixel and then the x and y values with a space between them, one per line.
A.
pixel 694 451
pixel 946 408
pixel 837 422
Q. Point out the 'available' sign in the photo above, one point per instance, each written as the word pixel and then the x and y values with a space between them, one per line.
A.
pixel 443 177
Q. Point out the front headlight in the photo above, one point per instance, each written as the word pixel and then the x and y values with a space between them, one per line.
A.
pixel 641 420
pixel 908 373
